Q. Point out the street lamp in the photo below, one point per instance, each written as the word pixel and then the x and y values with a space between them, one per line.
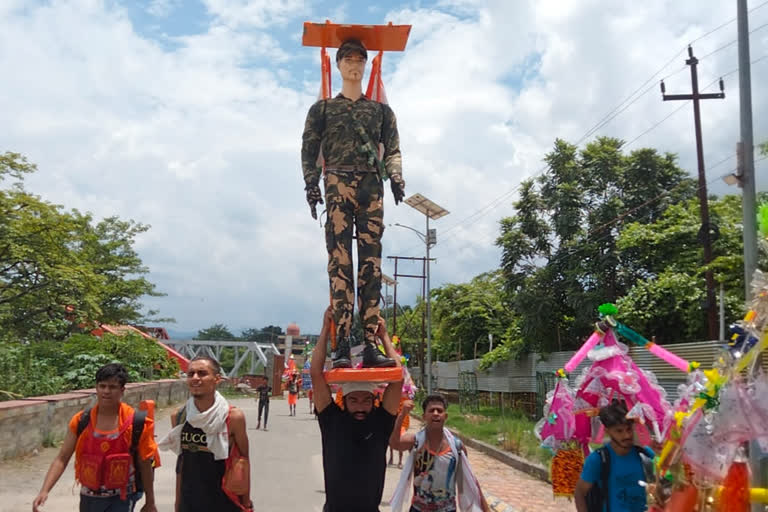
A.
pixel 431 211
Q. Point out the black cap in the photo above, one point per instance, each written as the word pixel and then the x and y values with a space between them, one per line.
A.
pixel 351 46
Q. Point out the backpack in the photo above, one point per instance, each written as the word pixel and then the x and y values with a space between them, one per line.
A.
pixel 598 495
pixel 139 417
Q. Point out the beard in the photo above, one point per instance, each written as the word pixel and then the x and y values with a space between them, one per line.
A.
pixel 359 415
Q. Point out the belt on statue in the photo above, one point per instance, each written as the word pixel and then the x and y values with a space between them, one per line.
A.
pixel 349 168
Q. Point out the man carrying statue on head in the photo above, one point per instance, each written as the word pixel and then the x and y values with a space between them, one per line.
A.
pixel 347 131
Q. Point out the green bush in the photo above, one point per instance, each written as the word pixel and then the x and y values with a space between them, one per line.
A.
pixel 49 367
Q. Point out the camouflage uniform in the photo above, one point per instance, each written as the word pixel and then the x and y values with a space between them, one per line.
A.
pixel 354 196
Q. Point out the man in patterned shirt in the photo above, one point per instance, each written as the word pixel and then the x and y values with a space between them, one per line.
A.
pixel 438 470
pixel 347 131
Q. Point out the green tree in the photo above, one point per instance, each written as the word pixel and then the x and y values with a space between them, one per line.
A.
pixel 60 270
pixel 216 332
pixel 464 315
pixel 266 334
pixel 668 298
pixel 559 254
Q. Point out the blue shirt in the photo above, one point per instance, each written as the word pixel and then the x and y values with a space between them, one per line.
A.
pixel 625 494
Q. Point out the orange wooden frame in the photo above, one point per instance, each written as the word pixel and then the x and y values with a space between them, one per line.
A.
pixel 388 38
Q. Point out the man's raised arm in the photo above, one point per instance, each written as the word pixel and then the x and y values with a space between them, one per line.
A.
pixel 322 393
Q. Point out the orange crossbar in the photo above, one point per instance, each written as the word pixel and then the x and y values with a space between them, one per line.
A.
pixel 388 38
pixel 341 375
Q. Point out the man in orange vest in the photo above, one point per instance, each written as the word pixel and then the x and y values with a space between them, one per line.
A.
pixel 114 447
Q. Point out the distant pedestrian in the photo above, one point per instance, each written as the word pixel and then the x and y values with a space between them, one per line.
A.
pixel 264 391
pixel 293 393
pixel 114 447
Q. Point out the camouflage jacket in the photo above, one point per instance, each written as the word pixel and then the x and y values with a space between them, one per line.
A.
pixel 333 125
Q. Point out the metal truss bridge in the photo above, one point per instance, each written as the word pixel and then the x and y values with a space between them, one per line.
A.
pixel 246 352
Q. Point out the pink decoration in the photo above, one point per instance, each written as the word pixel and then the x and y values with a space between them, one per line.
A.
pixel 558 417
pixel 665 355
pixel 579 356
pixel 619 365
pixel 612 376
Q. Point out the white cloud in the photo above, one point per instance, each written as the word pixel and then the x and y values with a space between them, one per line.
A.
pixel 255 13
pixel 202 140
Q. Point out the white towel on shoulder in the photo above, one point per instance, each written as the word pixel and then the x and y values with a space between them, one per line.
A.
pixel 212 421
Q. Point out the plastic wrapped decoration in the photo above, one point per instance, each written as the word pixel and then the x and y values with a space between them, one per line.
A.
pixel 555 430
pixel 707 454
pixel 615 375
pixel 409 388
pixel 557 425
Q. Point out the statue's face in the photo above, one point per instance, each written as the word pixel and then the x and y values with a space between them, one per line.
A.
pixel 352 66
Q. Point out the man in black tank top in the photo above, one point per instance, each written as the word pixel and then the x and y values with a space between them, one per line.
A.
pixel 198 473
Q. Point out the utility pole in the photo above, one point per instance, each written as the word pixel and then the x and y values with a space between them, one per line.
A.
pixel 747 160
pixel 748 199
pixel 706 230
pixel 423 277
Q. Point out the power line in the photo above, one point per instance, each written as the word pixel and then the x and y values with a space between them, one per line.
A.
pixel 659 197
pixel 623 106
pixel 616 113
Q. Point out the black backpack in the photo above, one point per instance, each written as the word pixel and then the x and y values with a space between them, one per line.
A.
pixel 139 418
pixel 598 494
pixel 597 497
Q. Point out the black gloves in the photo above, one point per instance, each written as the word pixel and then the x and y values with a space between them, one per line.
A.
pixel 398 187
pixel 314 196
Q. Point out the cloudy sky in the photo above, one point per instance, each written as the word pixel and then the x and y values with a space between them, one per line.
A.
pixel 187 115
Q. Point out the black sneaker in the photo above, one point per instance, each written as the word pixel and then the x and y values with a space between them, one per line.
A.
pixel 341 357
pixel 373 358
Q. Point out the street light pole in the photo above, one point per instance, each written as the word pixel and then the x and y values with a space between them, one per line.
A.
pixel 429 316
pixel 434 212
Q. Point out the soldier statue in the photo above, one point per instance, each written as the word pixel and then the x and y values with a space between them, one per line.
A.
pixel 349 129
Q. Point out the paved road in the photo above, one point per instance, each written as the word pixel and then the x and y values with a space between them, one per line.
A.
pixel 286 465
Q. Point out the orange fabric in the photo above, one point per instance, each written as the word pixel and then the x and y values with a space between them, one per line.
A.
pixel 407 418
pixel 236 481
pixel 104 461
pixel 340 375
pixel 339 399
pixel 292 399
pixel 147 444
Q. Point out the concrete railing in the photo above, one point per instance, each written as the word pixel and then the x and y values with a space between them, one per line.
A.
pixel 29 423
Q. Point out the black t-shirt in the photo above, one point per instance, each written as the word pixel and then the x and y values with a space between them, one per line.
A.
pixel 264 392
pixel 354 458
pixel 201 475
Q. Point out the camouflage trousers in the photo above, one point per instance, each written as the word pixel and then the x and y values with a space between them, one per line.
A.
pixel 355 202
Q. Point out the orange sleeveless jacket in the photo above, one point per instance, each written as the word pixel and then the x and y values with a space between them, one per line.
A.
pixel 103 460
